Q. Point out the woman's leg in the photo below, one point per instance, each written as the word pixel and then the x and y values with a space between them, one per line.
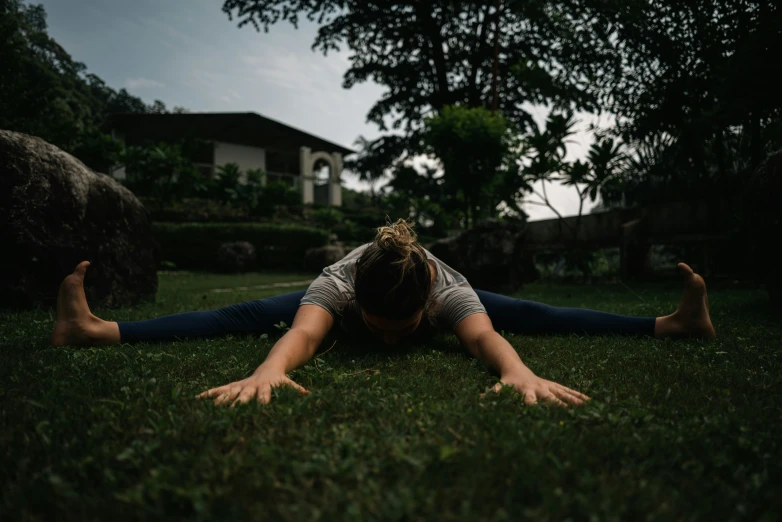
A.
pixel 76 325
pixel 251 317
pixel 528 317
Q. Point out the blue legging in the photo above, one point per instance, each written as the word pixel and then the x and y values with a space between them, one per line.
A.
pixel 506 313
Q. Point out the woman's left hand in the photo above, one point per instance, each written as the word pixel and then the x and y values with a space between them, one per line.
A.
pixel 535 389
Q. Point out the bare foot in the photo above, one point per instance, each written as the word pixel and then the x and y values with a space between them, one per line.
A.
pixel 691 319
pixel 76 325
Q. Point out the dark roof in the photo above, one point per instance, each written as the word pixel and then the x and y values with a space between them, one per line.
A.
pixel 243 128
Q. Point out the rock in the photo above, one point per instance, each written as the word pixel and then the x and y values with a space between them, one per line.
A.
pixel 763 223
pixel 316 259
pixel 238 256
pixel 491 256
pixel 56 212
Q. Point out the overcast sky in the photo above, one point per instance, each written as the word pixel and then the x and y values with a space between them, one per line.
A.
pixel 187 53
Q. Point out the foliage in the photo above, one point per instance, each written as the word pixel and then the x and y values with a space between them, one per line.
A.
pixel 361 216
pixel 694 78
pixel 543 156
pixel 370 163
pixel 277 195
pixel 114 433
pixel 472 145
pixel 161 172
pixel 762 225
pixel 352 227
pixel 353 200
pixel 422 198
pixel 45 93
pixel 98 150
pixel 327 217
pixel 226 180
pixel 433 55
pixel 197 210
pixel 195 245
pixel 579 265
pixel 692 81
pixel 246 191
pixel 649 174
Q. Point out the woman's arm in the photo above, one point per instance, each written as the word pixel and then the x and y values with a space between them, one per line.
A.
pixel 299 344
pixel 296 347
pixel 477 335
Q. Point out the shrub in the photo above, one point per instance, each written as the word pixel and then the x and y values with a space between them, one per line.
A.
pixel 195 245
pixel 351 233
pixel 160 172
pixel 327 217
pixel 276 196
pixel 763 223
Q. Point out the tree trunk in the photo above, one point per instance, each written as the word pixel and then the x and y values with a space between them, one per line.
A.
pixel 755 143
pixel 472 84
pixel 432 29
pixel 466 211
pixel 496 64
pixel 719 152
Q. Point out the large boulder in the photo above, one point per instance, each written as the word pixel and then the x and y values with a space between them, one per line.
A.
pixel 237 256
pixel 763 225
pixel 56 212
pixel 491 256
pixel 316 259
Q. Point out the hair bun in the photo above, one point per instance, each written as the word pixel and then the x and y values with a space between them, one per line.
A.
pixel 398 237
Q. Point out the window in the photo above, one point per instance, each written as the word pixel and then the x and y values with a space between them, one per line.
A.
pixel 283 162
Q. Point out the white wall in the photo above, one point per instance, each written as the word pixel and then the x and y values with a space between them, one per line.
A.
pixel 246 157
pixel 117 173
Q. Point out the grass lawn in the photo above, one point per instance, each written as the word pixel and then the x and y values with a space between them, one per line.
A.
pixel 676 430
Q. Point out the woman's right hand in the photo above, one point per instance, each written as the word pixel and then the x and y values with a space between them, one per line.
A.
pixel 258 386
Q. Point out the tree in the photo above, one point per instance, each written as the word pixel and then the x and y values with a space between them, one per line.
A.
pixel 473 145
pixel 430 55
pixel 421 197
pixel 46 93
pixel 433 54
pixel 159 172
pixel 694 72
pixel 39 86
pixel 543 157
pixel 372 161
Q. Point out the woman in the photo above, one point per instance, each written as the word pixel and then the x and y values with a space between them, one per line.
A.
pixel 389 289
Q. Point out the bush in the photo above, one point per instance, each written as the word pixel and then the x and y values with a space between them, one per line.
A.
pixel 763 223
pixel 201 210
pixel 161 172
pixel 194 246
pixel 190 210
pixel 327 217
pixel 277 194
pixel 352 227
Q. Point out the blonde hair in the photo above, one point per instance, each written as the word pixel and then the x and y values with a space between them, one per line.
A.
pixel 393 277
pixel 401 239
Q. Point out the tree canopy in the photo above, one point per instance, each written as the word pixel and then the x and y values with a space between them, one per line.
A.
pixel 696 91
pixel 429 55
pixel 473 145
pixel 46 93
pixel 695 78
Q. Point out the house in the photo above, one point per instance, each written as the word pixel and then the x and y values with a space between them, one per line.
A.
pixel 248 139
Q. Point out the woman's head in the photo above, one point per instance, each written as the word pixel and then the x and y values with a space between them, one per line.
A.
pixel 393 280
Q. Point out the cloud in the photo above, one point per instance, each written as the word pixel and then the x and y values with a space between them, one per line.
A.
pixel 165 30
pixel 230 96
pixel 142 83
pixel 291 70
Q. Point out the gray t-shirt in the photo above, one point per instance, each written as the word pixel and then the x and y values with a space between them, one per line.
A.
pixel 454 297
